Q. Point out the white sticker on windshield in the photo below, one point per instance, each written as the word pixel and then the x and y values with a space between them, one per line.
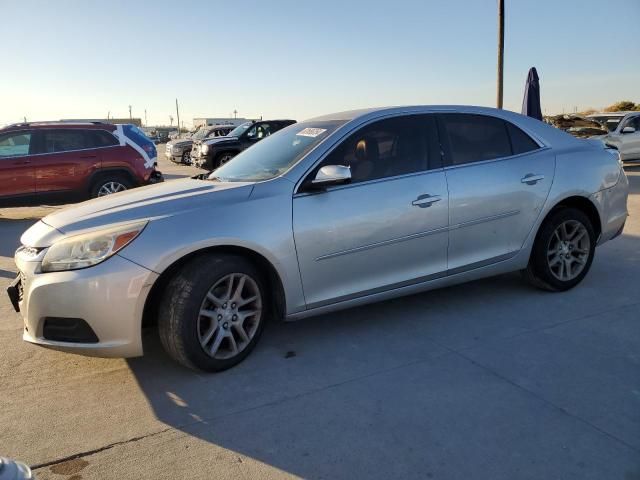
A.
pixel 311 132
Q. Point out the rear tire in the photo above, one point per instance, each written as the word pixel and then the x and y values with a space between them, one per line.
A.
pixel 213 312
pixel 563 251
pixel 109 183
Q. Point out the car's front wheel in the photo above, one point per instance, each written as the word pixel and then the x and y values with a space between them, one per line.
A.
pixel 563 251
pixel 223 158
pixel 212 313
pixel 186 158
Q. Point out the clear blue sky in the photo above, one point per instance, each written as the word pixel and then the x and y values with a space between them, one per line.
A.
pixel 66 59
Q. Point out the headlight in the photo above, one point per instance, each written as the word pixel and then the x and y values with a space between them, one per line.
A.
pixel 204 149
pixel 176 149
pixel 88 249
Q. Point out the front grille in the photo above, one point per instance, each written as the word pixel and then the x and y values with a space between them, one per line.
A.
pixel 21 286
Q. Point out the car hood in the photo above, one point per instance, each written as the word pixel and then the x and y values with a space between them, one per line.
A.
pixel 219 140
pixel 181 143
pixel 147 203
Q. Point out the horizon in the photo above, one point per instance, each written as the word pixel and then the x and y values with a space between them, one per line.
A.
pixel 301 60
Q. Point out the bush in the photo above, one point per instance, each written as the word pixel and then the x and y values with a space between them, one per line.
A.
pixel 622 106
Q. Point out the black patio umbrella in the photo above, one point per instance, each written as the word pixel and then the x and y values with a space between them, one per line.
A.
pixel 531 101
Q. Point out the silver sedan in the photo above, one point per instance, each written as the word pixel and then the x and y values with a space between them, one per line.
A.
pixel 330 213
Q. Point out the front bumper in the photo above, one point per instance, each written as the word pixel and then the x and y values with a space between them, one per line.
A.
pixel 109 297
pixel 155 177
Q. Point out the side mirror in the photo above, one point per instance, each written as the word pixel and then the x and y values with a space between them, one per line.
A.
pixel 628 130
pixel 332 175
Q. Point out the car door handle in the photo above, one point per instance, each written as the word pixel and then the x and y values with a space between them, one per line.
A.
pixel 426 200
pixel 88 156
pixel 22 162
pixel 531 179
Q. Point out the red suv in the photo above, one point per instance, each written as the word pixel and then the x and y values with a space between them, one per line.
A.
pixel 47 160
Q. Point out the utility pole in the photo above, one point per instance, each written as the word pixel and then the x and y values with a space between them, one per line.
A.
pixel 108 115
pixel 171 120
pixel 500 51
pixel 130 118
pixel 178 115
pixel 235 113
pixel 145 118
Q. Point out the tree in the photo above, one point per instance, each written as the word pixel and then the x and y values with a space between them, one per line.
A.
pixel 621 106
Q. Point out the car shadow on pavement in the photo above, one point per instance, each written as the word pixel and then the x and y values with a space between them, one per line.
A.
pixel 7 274
pixel 323 397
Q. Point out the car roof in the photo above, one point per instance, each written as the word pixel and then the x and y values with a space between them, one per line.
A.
pixel 60 124
pixel 276 120
pixel 541 131
pixel 611 114
pixel 381 111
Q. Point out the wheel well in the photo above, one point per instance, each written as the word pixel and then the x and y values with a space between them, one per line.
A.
pixel 224 152
pixel 270 275
pixel 584 205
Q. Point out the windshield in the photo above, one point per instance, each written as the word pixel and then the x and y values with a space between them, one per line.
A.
pixel 200 134
pixel 610 122
pixel 275 154
pixel 240 129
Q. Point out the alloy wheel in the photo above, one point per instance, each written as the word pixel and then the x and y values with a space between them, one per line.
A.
pixel 568 250
pixel 111 187
pixel 229 316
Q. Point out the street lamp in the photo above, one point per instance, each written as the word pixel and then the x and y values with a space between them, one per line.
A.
pixel 500 51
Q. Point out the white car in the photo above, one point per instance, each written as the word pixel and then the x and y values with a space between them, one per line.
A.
pixel 625 137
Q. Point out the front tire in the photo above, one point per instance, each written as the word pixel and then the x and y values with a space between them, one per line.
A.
pixel 213 312
pixel 563 251
pixel 223 158
pixel 186 158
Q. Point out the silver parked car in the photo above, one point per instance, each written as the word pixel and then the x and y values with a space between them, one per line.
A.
pixel 326 214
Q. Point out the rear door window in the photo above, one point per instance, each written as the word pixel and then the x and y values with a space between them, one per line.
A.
pixel 474 138
pixel 55 141
pixel 15 144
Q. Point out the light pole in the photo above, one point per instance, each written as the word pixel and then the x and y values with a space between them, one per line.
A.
pixel 145 118
pixel 500 51
pixel 130 118
pixel 178 115
pixel 235 113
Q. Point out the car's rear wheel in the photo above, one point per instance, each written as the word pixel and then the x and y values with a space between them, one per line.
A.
pixel 223 158
pixel 212 313
pixel 563 251
pixel 110 183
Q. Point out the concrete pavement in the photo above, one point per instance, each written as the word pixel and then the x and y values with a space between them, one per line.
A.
pixel 490 379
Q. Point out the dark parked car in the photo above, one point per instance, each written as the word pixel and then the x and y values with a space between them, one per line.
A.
pixel 50 160
pixel 212 153
pixel 179 149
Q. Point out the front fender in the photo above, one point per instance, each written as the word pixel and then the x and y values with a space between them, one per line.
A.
pixel 260 223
